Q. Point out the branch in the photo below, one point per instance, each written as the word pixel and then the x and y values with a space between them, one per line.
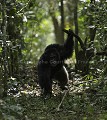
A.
pixel 104 53
pixel 58 108
pixel 77 37
pixel 80 41
pixel 24 7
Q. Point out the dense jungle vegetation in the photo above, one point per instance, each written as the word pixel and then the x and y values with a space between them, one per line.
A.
pixel 26 28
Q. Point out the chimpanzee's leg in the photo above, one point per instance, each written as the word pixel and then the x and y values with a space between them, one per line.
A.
pixel 45 81
pixel 62 77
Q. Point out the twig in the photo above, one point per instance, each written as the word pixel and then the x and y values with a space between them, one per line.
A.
pixel 24 7
pixel 58 108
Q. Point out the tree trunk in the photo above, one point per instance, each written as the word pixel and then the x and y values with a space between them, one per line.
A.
pixel 83 57
pixel 76 26
pixel 58 26
pixel 92 29
pixel 4 27
pixel 57 30
pixel 62 20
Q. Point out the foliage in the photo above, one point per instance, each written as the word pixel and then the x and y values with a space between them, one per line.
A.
pixel 26 27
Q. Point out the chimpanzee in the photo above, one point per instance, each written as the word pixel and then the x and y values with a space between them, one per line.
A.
pixel 51 64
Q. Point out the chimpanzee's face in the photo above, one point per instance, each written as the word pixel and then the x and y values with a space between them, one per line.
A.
pixel 53 59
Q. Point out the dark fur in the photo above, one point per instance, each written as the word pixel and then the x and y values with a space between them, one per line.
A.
pixel 51 64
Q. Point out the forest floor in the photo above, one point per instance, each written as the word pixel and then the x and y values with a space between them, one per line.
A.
pixel 80 102
pixel 75 106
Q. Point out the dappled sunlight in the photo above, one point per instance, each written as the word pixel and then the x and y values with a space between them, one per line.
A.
pixel 27 27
